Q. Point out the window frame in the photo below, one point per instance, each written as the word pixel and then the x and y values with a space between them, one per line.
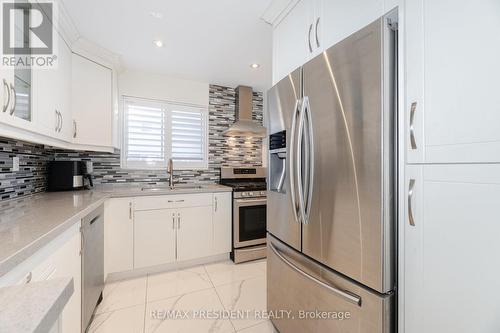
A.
pixel 167 107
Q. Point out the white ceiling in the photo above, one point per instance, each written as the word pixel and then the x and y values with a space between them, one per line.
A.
pixel 212 41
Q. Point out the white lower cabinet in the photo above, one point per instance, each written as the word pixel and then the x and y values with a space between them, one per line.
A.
pixel 221 219
pixel 68 264
pixel 154 237
pixel 59 259
pixel 149 231
pixel 451 248
pixel 194 232
pixel 118 235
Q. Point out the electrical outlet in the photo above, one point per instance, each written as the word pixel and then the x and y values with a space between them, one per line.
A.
pixel 15 164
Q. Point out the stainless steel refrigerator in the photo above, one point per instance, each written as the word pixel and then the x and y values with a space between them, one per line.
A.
pixel 332 188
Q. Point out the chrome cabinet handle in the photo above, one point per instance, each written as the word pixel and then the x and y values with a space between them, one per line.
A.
pixel 309 38
pixel 57 121
pixel 62 122
pixel 182 200
pixel 74 129
pixel 410 199
pixel 316 32
pixel 413 142
pixel 130 210
pixel 82 240
pixel 6 105
pixel 291 162
pixel 216 204
pixel 178 221
pixel 173 220
pixel 352 298
pixel 29 277
pixel 13 108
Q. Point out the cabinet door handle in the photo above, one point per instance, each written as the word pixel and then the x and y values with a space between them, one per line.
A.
pixel 82 240
pixel 57 121
pixel 309 38
pixel 6 105
pixel 413 109
pixel 14 99
pixel 130 211
pixel 216 204
pixel 410 199
pixel 62 122
pixel 316 32
pixel 178 221
pixel 173 220
pixel 74 129
pixel 29 277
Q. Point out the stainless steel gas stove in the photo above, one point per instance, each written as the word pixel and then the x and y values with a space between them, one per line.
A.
pixel 249 211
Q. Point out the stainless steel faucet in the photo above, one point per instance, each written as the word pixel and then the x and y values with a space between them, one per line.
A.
pixel 171 173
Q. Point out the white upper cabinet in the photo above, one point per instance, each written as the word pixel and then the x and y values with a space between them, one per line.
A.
pixel 52 96
pixel 341 18
pixel 451 250
pixel 312 26
pixel 92 94
pixel 452 99
pixel 291 40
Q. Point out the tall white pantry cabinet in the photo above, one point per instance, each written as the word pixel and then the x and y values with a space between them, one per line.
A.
pixel 449 249
pixel 449 147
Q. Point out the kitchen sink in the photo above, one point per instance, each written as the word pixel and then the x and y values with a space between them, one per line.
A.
pixel 167 188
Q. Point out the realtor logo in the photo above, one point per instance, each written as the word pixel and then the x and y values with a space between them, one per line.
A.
pixel 27 34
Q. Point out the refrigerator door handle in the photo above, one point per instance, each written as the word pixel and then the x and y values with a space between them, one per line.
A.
pixel 309 151
pixel 291 162
pixel 352 298
pixel 299 172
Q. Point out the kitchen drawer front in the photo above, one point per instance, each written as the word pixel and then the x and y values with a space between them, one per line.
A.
pixel 297 284
pixel 173 201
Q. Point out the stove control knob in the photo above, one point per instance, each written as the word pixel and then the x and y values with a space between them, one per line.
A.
pixel 262 193
pixel 244 194
pixel 250 194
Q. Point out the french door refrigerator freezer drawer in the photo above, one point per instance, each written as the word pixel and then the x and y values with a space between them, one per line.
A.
pixel 330 302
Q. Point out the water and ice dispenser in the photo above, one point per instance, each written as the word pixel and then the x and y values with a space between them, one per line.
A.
pixel 277 162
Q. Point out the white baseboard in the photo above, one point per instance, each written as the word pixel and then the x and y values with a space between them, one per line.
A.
pixel 112 277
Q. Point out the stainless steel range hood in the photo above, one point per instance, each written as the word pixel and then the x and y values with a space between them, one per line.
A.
pixel 244 125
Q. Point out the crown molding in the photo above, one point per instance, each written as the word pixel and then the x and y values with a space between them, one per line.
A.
pixel 80 45
pixel 277 10
pixel 97 53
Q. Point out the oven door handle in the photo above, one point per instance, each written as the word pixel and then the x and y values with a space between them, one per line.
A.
pixel 243 201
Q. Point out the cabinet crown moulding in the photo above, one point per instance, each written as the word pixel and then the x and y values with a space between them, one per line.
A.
pixel 277 10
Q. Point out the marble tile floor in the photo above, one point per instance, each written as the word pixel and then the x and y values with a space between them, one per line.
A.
pixel 191 300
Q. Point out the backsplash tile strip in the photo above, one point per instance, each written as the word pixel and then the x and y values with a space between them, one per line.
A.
pixel 32 174
pixel 223 151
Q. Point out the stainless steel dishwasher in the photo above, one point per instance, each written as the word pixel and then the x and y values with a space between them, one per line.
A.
pixel 92 232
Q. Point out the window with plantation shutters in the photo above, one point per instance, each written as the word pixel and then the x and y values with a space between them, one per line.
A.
pixel 188 136
pixel 154 132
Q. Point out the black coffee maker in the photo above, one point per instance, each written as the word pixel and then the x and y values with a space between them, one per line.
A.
pixel 69 175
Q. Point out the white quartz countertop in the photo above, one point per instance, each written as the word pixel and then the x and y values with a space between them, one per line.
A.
pixel 33 307
pixel 28 224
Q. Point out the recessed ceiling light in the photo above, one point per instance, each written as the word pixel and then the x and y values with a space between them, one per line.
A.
pixel 156 15
pixel 254 66
pixel 158 43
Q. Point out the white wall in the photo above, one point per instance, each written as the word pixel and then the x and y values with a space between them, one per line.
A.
pixel 161 87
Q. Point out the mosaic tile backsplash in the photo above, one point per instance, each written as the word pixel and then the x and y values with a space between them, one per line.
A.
pixel 223 151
